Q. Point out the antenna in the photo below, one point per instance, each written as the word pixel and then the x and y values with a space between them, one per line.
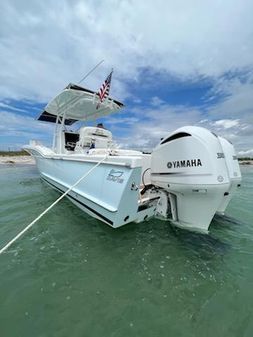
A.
pixel 90 72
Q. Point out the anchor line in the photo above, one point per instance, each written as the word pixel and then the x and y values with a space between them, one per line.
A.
pixel 50 207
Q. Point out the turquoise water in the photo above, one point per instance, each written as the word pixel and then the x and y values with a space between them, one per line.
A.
pixel 71 275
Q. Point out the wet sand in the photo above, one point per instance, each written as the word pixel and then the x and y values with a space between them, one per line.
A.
pixel 246 162
pixel 13 160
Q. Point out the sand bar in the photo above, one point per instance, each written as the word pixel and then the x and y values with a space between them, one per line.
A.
pixel 13 160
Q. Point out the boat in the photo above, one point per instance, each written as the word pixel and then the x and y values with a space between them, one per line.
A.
pixel 191 174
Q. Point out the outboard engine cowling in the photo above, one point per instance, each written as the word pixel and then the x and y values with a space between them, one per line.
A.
pixel 234 172
pixel 190 166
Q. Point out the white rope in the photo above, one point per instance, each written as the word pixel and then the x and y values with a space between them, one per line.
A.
pixel 51 206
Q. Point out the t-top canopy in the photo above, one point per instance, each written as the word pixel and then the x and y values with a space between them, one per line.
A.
pixel 76 103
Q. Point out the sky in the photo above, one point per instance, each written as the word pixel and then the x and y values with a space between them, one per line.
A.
pixel 175 63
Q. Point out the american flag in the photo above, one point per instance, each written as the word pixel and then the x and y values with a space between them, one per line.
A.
pixel 104 89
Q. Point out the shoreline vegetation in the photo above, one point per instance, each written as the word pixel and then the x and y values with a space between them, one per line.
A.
pixel 22 157
pixel 13 153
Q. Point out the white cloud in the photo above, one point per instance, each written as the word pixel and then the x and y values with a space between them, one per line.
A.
pixel 227 123
pixel 46 44
pixel 156 101
pixel 10 107
pixel 136 100
pixel 41 51
pixel 16 129
pixel 158 122
pixel 123 120
pixel 237 98
pixel 248 153
pixel 155 123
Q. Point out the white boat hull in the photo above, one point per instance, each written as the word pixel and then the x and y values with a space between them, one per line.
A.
pixel 108 193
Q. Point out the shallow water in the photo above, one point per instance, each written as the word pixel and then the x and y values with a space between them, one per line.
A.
pixel 72 275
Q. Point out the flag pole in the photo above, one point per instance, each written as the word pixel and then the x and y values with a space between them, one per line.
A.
pixel 90 72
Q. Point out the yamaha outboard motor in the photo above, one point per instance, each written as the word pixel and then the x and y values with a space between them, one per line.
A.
pixel 189 167
pixel 234 173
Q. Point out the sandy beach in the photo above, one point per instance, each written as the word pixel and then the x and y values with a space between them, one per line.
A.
pixel 13 160
pixel 246 162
